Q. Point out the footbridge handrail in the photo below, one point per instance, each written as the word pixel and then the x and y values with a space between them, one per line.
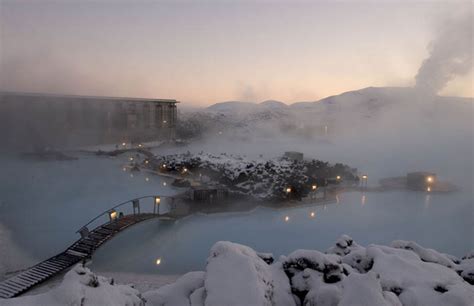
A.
pixel 107 211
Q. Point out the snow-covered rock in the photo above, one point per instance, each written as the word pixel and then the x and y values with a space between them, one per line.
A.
pixel 428 255
pixel 81 287
pixel 347 274
pixel 182 292
pixel 236 275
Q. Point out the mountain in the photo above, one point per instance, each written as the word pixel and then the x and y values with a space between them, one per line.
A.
pixel 367 108
pixel 272 104
pixel 232 106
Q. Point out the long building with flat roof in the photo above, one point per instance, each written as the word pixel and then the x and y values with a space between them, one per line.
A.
pixel 36 120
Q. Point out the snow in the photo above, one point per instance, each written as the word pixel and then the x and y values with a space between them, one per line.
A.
pixel 81 287
pixel 177 293
pixel 237 275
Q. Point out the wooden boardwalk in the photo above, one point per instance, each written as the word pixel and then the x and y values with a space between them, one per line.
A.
pixel 79 251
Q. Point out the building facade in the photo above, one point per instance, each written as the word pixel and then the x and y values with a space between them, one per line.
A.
pixel 30 120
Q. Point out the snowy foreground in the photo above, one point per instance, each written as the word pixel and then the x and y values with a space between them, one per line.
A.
pixel 347 274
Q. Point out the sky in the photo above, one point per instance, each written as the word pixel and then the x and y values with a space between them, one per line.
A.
pixel 203 52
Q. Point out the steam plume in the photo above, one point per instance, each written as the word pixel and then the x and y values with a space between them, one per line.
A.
pixel 450 55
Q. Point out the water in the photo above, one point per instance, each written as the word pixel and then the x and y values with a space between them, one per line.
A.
pixel 443 222
pixel 42 204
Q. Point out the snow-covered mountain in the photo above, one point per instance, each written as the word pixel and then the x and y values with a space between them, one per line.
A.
pixel 369 106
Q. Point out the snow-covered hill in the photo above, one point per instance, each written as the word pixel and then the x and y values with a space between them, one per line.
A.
pixel 364 109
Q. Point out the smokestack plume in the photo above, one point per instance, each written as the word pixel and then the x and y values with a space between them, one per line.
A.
pixel 450 54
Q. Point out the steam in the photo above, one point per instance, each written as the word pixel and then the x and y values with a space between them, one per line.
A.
pixel 450 55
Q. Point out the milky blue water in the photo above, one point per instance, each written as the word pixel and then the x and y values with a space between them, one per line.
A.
pixel 42 204
pixel 443 222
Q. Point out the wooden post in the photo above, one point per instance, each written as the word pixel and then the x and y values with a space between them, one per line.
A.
pixel 136 206
pixel 84 232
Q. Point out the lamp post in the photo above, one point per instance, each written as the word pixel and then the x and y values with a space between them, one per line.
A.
pixel 364 180
pixel 313 189
pixel 112 215
pixel 157 204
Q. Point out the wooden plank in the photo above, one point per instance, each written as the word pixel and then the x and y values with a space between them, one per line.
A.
pixel 69 257
pixel 28 278
pixel 105 231
pixel 6 290
pixel 35 273
pixel 51 266
pixel 84 245
pixel 48 266
pixel 91 243
pixel 63 262
pixel 12 287
pixel 4 295
pixel 81 250
pixel 54 262
pixel 44 270
pixel 16 282
pixel 76 253
pixel 21 283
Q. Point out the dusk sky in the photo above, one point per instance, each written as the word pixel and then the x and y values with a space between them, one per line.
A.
pixel 202 52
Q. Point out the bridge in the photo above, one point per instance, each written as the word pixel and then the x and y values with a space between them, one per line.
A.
pixel 118 218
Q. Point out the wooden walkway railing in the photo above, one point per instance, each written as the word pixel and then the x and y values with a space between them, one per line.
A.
pixel 83 248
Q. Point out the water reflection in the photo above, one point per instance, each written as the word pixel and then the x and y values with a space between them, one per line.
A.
pixel 363 199
pixel 158 261
pixel 312 214
pixel 427 201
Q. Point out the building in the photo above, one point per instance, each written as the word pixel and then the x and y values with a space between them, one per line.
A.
pixel 30 120
pixel 296 156
pixel 421 180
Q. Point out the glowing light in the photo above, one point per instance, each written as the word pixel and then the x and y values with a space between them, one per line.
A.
pixel 112 215
pixel 124 169
pixel 158 261
pixel 164 121
pixel 314 187
pixel 146 161
pixel 147 179
pixel 164 183
pixel 312 214
pixel 429 179
pixel 338 177
pixel 131 175
pixel 124 144
pixel 364 177
pixel 157 200
pixel 287 218
pixel 220 132
pixel 428 189
pixel 164 166
pixel 140 145
pixel 185 170
pixel 131 158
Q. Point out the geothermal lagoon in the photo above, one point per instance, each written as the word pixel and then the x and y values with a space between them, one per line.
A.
pixel 44 203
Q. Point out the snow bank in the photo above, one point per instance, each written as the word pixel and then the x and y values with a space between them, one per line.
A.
pixel 81 287
pixel 404 273
pixel 179 293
